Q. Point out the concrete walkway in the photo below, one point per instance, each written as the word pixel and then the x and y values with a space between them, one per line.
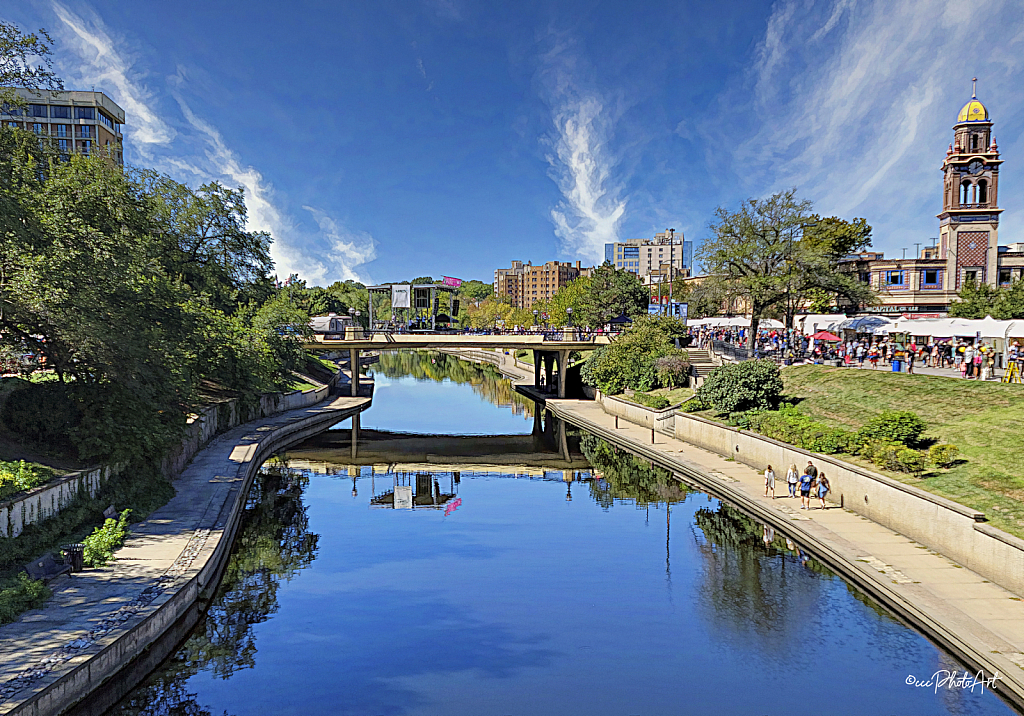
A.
pixel 979 621
pixel 102 618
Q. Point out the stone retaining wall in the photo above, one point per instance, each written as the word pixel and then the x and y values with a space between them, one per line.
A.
pixel 945 526
pixel 47 500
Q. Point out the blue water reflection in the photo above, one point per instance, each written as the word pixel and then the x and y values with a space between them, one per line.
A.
pixel 635 596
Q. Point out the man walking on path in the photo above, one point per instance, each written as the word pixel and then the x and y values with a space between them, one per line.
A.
pixel 810 473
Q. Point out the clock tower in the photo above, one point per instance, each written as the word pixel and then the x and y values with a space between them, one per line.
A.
pixel 969 222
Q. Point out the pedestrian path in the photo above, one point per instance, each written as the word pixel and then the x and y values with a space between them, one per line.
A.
pixel 49 655
pixel 975 619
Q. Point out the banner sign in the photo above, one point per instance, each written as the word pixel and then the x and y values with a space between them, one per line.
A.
pixel 453 282
pixel 400 296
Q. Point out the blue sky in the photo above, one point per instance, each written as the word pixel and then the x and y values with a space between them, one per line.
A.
pixel 390 139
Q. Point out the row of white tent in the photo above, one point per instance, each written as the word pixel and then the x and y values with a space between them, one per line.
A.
pixel 987 327
pixel 735 322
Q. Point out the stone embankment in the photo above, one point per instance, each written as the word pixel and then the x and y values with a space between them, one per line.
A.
pixel 927 559
pixel 47 500
pixel 119 621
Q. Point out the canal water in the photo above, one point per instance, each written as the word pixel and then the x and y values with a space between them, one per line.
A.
pixel 579 581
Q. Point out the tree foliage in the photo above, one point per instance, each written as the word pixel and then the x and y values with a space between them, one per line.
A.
pixel 631 361
pixel 775 254
pixel 610 293
pixel 134 289
pixel 980 300
pixel 25 62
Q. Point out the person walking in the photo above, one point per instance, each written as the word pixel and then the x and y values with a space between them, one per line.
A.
pixel 792 478
pixel 769 481
pixel 823 488
pixel 910 361
pixel 810 474
pixel 969 361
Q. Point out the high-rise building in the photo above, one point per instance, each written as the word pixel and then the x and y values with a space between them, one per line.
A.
pixel 82 122
pixel 666 253
pixel 523 284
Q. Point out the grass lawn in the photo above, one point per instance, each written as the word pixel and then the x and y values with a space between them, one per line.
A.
pixel 524 356
pixel 984 420
pixel 300 382
pixel 674 395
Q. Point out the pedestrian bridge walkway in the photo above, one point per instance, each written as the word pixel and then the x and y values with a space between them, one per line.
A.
pixel 560 340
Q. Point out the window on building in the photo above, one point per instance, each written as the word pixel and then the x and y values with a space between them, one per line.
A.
pixel 87 146
pixel 37 128
pixel 85 113
pixel 1004 275
pixel 106 121
pixel 62 130
pixel 894 278
pixel 864 276
pixel 37 110
pixel 971 275
pixel 62 145
pixel 60 111
pixel 930 277
pixel 982 192
pixel 965 192
pixel 974 142
pixel 12 110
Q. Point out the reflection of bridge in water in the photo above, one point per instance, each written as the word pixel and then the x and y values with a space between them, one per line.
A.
pixel 410 468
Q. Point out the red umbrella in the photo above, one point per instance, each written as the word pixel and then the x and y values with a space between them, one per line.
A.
pixel 825 336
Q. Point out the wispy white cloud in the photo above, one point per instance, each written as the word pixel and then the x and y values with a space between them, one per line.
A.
pixel 197 151
pixel 582 163
pixel 112 70
pixel 853 101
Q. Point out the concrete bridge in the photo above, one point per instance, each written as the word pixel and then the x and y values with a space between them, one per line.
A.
pixel 550 350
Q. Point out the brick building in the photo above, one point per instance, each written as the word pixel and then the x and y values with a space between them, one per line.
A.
pixel 525 283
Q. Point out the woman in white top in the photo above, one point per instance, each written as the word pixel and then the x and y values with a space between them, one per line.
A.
pixel 792 477
pixel 769 481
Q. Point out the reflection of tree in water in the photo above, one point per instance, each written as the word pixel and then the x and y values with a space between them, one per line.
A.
pixel 486 380
pixel 620 475
pixel 273 544
pixel 752 577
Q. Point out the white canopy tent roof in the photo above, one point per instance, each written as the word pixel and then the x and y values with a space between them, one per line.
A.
pixel 735 322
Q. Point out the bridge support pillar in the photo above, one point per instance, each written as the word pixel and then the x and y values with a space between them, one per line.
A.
pixel 563 372
pixel 355 436
pixel 536 369
pixel 353 359
pixel 549 360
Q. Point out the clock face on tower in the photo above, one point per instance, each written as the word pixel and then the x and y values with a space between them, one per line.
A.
pixel 976 166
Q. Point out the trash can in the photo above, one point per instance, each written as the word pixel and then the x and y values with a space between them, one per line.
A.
pixel 897 366
pixel 74 554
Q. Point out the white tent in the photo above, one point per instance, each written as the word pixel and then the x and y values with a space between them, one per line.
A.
pixel 813 322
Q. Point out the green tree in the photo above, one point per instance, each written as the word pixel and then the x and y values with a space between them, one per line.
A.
pixel 610 293
pixel 772 252
pixel 631 360
pixel 25 62
pixel 980 300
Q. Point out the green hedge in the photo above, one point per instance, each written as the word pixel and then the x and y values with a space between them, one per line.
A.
pixel 750 385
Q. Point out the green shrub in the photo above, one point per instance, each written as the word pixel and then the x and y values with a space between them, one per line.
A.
pixel 943 454
pixel 742 386
pixel 900 426
pixel 908 460
pixel 629 362
pixel 19 476
pixel 100 545
pixel 673 369
pixel 19 594
pixel 657 402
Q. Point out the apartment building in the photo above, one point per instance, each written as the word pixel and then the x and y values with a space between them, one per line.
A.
pixel 82 122
pixel 666 253
pixel 522 284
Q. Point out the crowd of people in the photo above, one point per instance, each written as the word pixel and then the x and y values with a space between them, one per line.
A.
pixel 973 359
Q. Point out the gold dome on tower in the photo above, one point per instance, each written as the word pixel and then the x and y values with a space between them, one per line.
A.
pixel 973 111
